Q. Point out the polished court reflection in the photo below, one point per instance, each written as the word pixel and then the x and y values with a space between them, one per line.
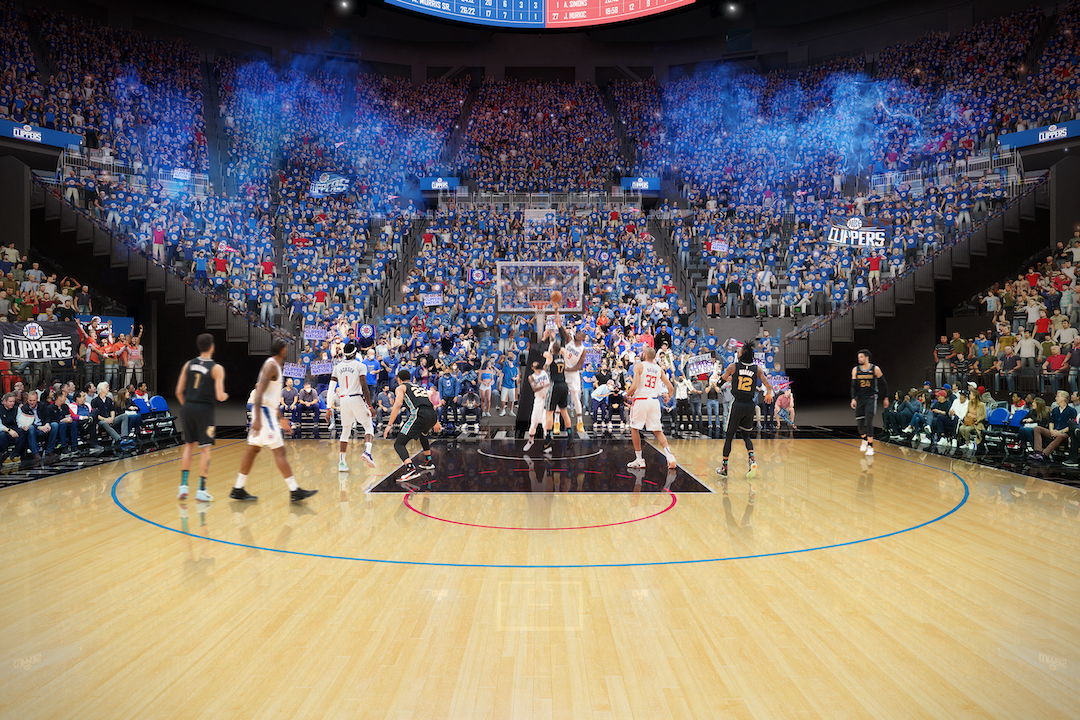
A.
pixel 838 588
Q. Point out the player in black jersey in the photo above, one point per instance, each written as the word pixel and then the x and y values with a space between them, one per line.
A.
pixel 559 394
pixel 744 376
pixel 422 419
pixel 201 384
pixel 867 383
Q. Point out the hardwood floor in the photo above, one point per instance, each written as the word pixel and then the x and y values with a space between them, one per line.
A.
pixel 353 605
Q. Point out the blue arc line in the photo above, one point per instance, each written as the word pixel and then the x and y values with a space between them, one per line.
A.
pixel 967 494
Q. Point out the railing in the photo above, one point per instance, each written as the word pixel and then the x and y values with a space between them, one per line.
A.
pixel 94 162
pixel 1009 160
pixel 545 201
pixel 38 374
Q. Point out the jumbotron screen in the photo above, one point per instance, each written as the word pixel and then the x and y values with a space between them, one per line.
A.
pixel 541 13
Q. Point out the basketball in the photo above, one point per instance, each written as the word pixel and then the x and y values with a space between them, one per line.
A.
pixel 556 298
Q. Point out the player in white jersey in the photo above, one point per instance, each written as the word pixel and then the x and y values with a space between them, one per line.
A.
pixel 349 388
pixel 541 385
pixel 644 393
pixel 267 425
pixel 575 360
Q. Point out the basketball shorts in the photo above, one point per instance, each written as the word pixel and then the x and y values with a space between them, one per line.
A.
pixel 741 416
pixel 539 411
pixel 269 434
pixel 197 423
pixel 573 385
pixel 557 396
pixel 420 422
pixel 355 410
pixel 866 407
pixel 645 414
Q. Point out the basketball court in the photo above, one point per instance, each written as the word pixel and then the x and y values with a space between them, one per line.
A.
pixel 497 587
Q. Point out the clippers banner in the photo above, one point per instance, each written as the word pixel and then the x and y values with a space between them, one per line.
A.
pixel 38 341
pixel 329 184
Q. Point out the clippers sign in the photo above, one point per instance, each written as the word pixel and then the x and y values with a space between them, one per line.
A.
pixel 329 184
pixel 36 341
pixel 640 184
pixel 855 234
pixel 1037 136
pixel 41 136
pixel 438 184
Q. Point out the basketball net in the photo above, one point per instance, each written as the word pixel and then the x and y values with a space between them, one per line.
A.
pixel 540 308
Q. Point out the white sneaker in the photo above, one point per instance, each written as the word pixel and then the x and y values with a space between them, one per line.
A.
pixel 862 448
pixel 502 412
pixel 182 495
pixel 752 471
pixel 366 457
pixel 203 496
pixel 342 466
pixel 636 463
pixel 527 446
pixel 869 451
pixel 943 442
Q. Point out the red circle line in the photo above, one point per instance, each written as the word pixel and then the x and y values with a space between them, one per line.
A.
pixel 579 527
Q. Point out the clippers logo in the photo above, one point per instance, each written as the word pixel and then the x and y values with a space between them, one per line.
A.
pixel 26 132
pixel 32 342
pixel 854 234
pixel 1053 133
pixel 439 184
pixel 639 184
pixel 366 331
pixel 329 184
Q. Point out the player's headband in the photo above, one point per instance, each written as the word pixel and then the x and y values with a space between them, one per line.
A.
pixel 350 350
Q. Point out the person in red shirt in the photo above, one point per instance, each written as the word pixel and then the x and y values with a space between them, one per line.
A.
pixel 874 265
pixel 320 300
pixel 1032 277
pixel 1042 326
pixel 1055 368
pixel 221 266
pixel 267 266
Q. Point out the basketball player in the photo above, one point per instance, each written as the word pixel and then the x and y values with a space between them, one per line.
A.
pixel 645 408
pixel 200 385
pixel 557 395
pixel 866 383
pixel 575 360
pixel 422 419
pixel 348 385
pixel 744 376
pixel 541 385
pixel 267 425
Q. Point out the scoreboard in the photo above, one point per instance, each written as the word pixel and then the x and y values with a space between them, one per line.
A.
pixel 532 14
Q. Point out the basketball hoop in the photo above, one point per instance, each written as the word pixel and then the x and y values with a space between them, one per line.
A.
pixel 540 308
